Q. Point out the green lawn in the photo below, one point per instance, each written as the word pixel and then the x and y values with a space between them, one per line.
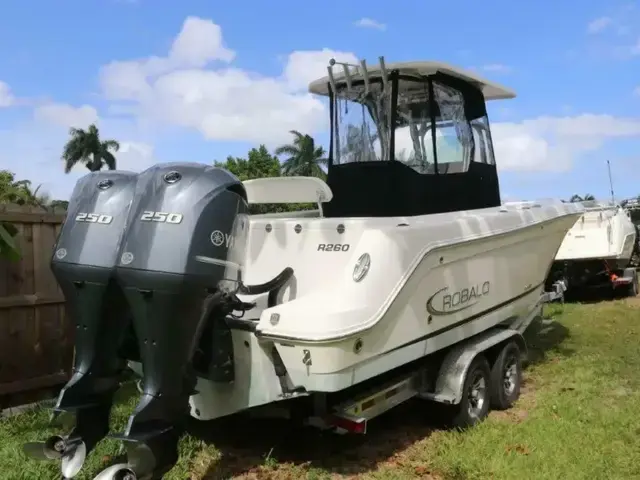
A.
pixel 579 417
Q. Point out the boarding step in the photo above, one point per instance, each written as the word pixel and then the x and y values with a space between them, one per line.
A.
pixel 352 416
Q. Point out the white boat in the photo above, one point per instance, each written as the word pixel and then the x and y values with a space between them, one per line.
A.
pixel 409 254
pixel 597 250
pixel 632 206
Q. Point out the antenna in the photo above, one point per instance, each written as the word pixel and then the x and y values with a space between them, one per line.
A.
pixel 610 182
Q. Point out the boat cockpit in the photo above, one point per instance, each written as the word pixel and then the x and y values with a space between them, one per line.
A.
pixel 408 139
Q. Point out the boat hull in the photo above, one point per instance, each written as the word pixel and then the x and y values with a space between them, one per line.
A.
pixel 455 292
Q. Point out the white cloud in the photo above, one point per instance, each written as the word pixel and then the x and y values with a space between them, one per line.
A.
pixel 636 91
pixel 65 115
pixel 554 143
pixel 303 67
pixel 196 86
pixel 6 98
pixel 599 24
pixel 224 103
pixel 135 156
pixel 621 28
pixel 366 22
pixel 497 68
pixel 198 43
pixel 543 144
pixel 492 68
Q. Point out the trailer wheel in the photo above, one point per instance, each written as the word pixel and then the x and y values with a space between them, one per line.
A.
pixel 474 404
pixel 506 377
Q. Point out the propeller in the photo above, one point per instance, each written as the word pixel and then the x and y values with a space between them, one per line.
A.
pixel 120 471
pixel 72 453
pixel 73 460
pixel 51 449
pixel 140 459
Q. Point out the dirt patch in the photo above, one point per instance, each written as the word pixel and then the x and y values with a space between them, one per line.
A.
pixel 279 452
pixel 514 415
pixel 633 301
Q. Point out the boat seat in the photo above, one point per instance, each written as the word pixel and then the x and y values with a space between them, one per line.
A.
pixel 288 190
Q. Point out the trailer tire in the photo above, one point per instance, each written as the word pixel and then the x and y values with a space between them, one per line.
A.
pixel 474 404
pixel 506 377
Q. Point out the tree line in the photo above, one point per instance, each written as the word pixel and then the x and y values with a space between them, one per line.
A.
pixel 301 157
pixel 85 147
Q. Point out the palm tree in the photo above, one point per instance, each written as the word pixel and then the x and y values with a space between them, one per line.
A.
pixel 85 147
pixel 578 198
pixel 61 204
pixel 33 197
pixel 19 192
pixel 305 158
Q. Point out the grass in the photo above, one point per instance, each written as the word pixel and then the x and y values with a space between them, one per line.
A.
pixel 578 417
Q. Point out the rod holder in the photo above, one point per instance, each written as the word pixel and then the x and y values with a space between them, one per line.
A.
pixel 365 75
pixel 383 71
pixel 332 80
pixel 361 68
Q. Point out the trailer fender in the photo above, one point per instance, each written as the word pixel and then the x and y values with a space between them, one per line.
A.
pixel 630 273
pixel 454 367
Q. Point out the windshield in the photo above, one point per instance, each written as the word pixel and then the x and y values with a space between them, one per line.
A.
pixel 414 142
pixel 361 127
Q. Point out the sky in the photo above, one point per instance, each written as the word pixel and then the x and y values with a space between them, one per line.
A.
pixel 197 80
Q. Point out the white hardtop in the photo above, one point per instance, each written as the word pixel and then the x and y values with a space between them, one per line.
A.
pixel 490 90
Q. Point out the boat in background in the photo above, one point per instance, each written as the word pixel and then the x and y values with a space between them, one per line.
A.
pixel 598 249
pixel 632 207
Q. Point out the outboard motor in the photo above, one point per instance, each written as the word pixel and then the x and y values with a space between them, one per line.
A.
pixel 83 263
pixel 181 258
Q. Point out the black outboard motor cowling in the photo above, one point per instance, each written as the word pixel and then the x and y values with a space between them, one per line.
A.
pixel 83 263
pixel 182 252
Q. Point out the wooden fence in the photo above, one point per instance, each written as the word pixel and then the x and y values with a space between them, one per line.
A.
pixel 36 340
